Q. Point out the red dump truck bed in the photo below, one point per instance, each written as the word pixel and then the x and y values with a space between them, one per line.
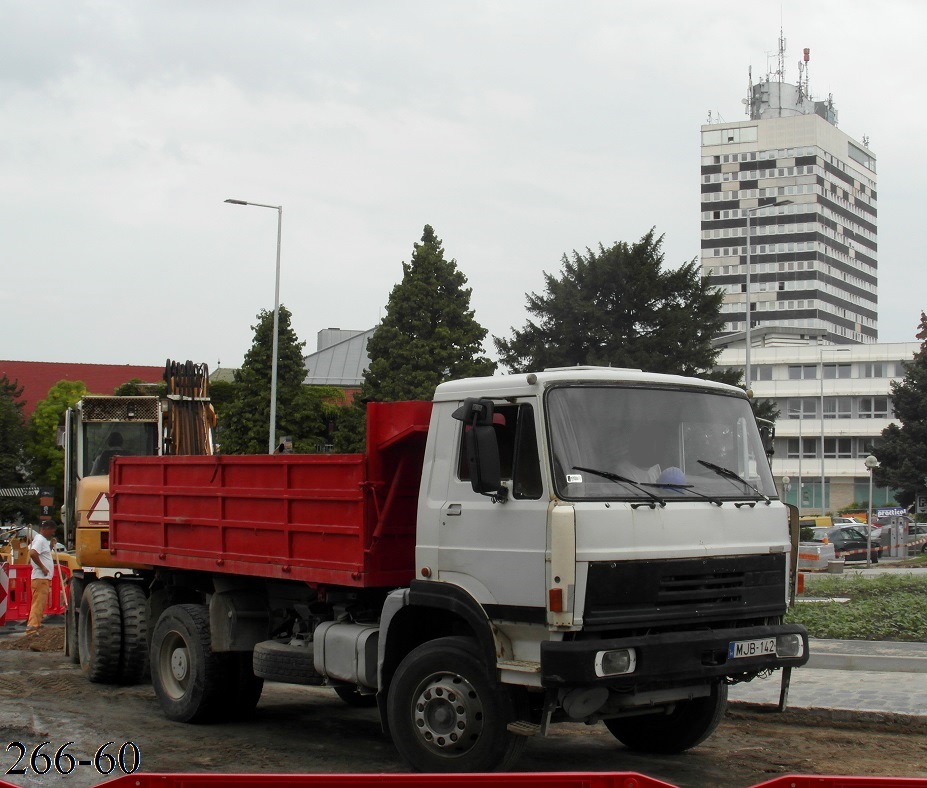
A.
pixel 335 519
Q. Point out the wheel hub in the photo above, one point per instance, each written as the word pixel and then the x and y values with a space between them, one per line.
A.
pixel 180 664
pixel 448 713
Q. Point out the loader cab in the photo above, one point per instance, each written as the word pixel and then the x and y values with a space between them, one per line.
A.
pixel 100 428
pixel 97 429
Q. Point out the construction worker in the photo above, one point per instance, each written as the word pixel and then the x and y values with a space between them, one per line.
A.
pixel 40 558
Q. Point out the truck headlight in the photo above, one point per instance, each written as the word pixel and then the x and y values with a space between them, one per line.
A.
pixel 789 646
pixel 615 663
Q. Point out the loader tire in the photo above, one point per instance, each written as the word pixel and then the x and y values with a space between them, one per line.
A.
pixel 99 633
pixel 71 643
pixel 134 608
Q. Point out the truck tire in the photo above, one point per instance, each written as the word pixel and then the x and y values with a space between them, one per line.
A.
pixel 134 608
pixel 446 713
pixel 243 688
pixel 186 674
pixel 276 661
pixel 99 633
pixel 71 643
pixel 689 724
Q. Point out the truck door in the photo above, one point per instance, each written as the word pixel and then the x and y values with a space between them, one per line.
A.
pixel 496 549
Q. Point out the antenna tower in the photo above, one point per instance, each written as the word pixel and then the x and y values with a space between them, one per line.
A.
pixel 780 72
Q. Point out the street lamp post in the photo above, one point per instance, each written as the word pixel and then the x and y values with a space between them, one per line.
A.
pixel 871 464
pixel 801 449
pixel 748 376
pixel 821 363
pixel 272 439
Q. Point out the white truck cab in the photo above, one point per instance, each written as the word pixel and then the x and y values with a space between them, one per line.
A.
pixel 622 535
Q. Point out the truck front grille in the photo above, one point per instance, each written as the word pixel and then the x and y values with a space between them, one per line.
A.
pixel 689 590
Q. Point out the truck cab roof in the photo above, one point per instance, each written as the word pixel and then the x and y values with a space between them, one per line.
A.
pixel 526 383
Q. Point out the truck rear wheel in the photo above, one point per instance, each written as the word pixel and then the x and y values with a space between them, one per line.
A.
pixel 99 633
pixel 689 724
pixel 446 714
pixel 134 608
pixel 185 673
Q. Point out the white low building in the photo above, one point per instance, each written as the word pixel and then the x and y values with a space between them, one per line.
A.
pixel 849 384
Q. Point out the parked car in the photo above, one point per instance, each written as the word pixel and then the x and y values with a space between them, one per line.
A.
pixel 849 542
pixel 887 520
pixel 816 522
pixel 842 520
pixel 917 538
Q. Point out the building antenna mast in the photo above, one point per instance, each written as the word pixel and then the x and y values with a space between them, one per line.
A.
pixel 804 90
pixel 780 72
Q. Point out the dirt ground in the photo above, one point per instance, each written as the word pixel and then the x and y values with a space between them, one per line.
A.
pixel 306 730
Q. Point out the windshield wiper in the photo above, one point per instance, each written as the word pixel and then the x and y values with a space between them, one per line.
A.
pixel 614 477
pixel 688 488
pixel 727 473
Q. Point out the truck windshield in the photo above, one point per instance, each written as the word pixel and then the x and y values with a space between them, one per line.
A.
pixel 638 443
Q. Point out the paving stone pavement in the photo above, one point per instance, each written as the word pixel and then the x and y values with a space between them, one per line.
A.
pixel 851 677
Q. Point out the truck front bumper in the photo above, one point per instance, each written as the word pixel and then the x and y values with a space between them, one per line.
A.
pixel 671 657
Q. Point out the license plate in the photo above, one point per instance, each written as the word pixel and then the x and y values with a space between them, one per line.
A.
pixel 751 648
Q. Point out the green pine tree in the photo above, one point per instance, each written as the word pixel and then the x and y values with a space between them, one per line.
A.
pixel 429 335
pixel 902 454
pixel 244 421
pixel 618 307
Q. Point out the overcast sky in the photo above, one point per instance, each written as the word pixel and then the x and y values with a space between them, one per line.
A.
pixel 518 130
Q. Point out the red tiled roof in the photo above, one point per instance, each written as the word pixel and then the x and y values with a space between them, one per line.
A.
pixel 37 377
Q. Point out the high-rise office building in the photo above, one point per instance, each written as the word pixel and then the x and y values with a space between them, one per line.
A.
pixel 805 192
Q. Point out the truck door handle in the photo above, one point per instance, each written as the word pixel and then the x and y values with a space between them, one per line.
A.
pixel 454 509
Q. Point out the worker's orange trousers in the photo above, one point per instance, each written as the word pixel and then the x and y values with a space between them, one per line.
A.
pixel 40 589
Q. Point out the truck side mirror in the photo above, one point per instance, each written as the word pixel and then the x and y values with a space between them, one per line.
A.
pixel 482 447
pixel 768 436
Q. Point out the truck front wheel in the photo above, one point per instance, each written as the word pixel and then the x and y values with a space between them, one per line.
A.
pixel 185 673
pixel 689 724
pixel 446 714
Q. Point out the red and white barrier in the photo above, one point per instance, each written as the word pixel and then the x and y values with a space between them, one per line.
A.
pixel 4 591
pixel 18 592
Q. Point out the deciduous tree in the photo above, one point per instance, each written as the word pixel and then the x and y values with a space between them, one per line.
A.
pixel 13 464
pixel 47 458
